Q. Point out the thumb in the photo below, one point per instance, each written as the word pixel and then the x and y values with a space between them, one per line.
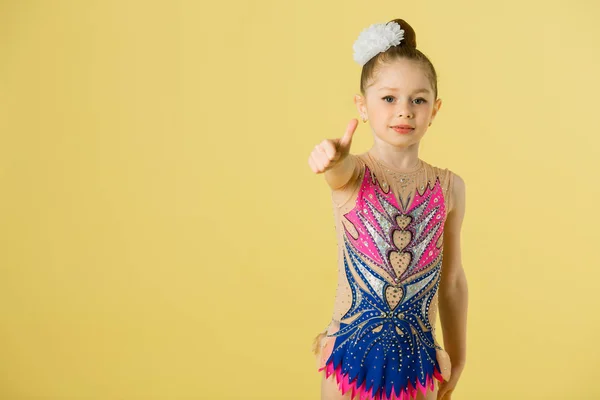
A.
pixel 346 140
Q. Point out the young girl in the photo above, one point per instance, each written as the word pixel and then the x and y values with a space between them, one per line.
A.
pixel 398 222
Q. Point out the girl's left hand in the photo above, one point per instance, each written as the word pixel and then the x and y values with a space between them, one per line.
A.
pixel 447 387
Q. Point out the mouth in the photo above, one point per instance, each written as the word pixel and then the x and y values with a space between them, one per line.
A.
pixel 403 128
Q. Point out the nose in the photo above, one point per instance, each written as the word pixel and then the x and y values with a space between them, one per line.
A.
pixel 404 109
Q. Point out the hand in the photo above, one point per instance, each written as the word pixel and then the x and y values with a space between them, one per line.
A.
pixel 331 152
pixel 447 387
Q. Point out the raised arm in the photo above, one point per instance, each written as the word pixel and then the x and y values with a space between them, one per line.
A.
pixel 332 157
pixel 453 291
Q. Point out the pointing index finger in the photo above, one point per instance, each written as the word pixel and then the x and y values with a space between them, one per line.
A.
pixel 349 132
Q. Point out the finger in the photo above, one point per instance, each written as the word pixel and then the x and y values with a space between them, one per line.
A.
pixel 312 165
pixel 347 138
pixel 320 148
pixel 329 148
pixel 325 154
pixel 315 163
pixel 320 160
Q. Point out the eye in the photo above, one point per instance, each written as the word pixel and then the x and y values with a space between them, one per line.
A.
pixel 422 100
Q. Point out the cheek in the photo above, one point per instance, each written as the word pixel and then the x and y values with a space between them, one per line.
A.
pixel 384 116
pixel 423 118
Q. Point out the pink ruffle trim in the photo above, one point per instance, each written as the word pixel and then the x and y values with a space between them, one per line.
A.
pixel 406 393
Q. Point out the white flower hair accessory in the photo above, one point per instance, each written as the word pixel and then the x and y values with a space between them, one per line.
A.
pixel 375 39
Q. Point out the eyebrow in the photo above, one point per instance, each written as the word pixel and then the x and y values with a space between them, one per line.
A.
pixel 416 91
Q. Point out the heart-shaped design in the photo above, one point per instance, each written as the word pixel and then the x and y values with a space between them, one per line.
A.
pixel 403 220
pixel 399 261
pixel 401 238
pixel 393 294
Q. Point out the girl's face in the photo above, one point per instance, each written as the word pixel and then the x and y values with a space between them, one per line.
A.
pixel 400 95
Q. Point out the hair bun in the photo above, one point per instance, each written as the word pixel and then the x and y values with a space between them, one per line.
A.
pixel 410 37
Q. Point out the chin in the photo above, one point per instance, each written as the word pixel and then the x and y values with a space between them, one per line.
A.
pixel 405 140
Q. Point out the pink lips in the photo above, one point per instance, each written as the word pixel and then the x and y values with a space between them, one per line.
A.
pixel 403 128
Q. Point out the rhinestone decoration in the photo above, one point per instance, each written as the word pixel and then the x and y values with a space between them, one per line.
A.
pixel 391 264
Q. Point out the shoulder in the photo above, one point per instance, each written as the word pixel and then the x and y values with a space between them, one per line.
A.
pixel 452 183
pixel 459 182
pixel 457 193
pixel 443 175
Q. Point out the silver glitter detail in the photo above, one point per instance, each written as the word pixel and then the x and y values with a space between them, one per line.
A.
pixel 382 245
pixel 418 211
pixel 383 221
pixel 375 283
pixel 419 227
pixel 414 288
pixel 420 248
pixel 358 295
pixel 424 307
pixel 389 208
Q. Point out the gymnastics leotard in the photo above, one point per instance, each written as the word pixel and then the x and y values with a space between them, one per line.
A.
pixel 380 343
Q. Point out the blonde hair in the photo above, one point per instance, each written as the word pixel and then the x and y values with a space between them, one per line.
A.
pixel 407 49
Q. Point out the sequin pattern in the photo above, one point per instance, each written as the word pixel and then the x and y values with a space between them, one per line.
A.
pixel 392 263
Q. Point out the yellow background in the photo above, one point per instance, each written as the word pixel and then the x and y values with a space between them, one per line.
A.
pixel 164 238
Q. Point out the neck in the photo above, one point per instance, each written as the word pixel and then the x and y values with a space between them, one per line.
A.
pixel 397 158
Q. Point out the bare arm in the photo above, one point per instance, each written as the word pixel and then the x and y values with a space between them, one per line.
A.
pixel 341 173
pixel 453 287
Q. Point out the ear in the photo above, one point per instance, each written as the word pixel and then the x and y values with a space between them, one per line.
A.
pixel 436 107
pixel 360 104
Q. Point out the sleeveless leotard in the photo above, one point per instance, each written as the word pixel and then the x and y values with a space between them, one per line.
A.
pixel 380 343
